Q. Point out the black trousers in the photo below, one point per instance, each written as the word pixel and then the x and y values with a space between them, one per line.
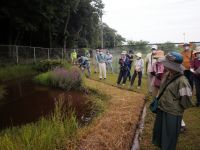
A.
pixel 188 74
pixel 139 77
pixel 122 74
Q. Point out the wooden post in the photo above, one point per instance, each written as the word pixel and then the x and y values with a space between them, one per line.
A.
pixel 17 56
pixel 34 55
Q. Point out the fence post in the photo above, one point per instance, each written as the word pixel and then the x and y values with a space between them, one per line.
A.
pixel 48 53
pixel 34 55
pixel 17 57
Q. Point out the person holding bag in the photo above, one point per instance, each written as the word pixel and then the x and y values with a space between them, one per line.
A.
pixel 174 97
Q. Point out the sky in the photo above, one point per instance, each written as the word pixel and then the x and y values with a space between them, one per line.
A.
pixel 154 20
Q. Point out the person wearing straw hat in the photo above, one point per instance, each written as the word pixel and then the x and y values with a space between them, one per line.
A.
pixel 138 69
pixel 123 62
pixel 176 96
pixel 149 62
pixel 158 71
pixel 195 69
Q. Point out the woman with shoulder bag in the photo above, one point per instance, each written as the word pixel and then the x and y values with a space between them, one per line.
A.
pixel 174 97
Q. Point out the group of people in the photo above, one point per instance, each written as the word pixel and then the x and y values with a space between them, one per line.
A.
pixel 170 77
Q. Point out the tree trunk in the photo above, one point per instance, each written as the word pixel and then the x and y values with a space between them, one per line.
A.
pixel 65 33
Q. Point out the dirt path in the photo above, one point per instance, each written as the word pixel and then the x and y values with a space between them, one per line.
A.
pixel 115 128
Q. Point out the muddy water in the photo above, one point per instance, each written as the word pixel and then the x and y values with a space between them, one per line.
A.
pixel 26 102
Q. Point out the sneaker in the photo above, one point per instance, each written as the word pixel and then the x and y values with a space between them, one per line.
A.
pixel 123 84
pixel 138 87
pixel 100 78
pixel 104 78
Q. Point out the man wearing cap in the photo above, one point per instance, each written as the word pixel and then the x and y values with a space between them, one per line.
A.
pixel 149 63
pixel 101 58
pixel 176 97
pixel 187 58
pixel 123 62
pixel 195 69
pixel 138 69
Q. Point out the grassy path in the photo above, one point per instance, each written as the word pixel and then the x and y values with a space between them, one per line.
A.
pixel 115 128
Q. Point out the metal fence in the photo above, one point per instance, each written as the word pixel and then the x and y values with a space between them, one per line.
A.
pixel 10 54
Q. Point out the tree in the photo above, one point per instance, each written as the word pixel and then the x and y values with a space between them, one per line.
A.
pixel 168 47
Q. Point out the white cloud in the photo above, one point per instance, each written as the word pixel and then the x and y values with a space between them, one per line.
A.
pixel 154 20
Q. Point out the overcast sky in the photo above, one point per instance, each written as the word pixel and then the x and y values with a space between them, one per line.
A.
pixel 154 20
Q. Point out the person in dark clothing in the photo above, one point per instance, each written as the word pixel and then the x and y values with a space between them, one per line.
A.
pixel 130 57
pixel 124 63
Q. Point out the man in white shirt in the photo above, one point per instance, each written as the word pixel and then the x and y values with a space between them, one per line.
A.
pixel 149 63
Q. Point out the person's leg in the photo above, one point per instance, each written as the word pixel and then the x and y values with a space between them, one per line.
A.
pixel 133 77
pixel 100 70
pixel 120 77
pixel 139 78
pixel 197 87
pixel 125 76
pixel 104 70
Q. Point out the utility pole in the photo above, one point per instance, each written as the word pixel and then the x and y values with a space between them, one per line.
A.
pixel 101 31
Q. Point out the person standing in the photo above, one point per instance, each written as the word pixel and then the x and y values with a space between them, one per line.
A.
pixel 158 71
pixel 138 69
pixel 149 63
pixel 123 62
pixel 176 97
pixel 96 63
pixel 195 69
pixel 73 57
pixel 130 56
pixel 109 61
pixel 101 58
pixel 187 58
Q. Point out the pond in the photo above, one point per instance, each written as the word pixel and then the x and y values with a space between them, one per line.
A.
pixel 27 102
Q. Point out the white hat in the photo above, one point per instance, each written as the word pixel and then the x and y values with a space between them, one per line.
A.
pixel 154 47
pixel 124 53
pixel 139 54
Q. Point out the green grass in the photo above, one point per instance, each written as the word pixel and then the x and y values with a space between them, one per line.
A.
pixel 16 71
pixel 46 134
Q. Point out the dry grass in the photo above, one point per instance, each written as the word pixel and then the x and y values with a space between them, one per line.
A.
pixel 116 127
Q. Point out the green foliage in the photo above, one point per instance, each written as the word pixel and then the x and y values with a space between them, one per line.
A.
pixel 47 134
pixel 168 47
pixel 49 64
pixel 141 46
pixel 61 78
pixel 16 71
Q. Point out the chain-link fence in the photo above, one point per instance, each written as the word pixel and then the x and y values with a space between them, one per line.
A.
pixel 13 54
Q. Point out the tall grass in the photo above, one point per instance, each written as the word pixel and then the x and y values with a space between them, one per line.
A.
pixel 61 78
pixel 46 134
pixel 15 71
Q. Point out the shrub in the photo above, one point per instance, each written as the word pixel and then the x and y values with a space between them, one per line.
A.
pixel 47 65
pixel 16 71
pixel 61 78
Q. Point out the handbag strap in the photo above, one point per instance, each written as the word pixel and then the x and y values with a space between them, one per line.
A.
pixel 175 77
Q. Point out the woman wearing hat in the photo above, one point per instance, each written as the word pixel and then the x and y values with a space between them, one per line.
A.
pixel 138 69
pixel 195 69
pixel 176 97
pixel 158 71
pixel 123 62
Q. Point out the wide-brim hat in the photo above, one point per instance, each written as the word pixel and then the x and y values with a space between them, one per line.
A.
pixel 159 54
pixel 173 61
pixel 186 44
pixel 124 53
pixel 197 50
pixel 139 54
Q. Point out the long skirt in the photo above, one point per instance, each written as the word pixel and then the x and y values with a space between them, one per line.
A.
pixel 166 130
